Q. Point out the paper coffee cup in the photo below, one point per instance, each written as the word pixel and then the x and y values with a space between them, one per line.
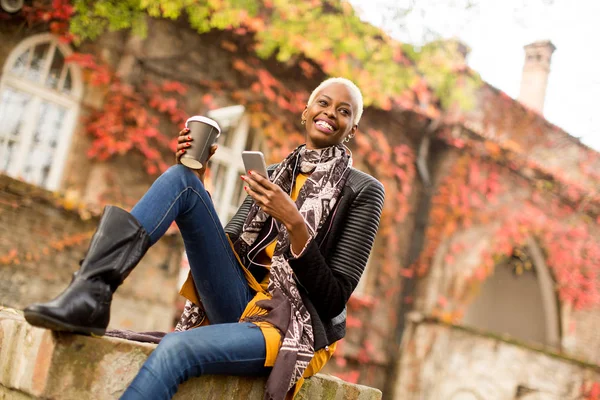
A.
pixel 204 132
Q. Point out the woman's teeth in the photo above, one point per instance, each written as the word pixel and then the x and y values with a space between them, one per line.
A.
pixel 325 125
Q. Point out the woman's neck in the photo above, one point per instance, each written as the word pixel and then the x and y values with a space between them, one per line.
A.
pixel 311 148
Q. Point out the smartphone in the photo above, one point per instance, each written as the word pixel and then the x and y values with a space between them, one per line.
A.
pixel 255 161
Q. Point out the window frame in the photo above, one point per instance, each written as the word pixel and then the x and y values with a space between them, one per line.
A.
pixel 40 93
pixel 230 157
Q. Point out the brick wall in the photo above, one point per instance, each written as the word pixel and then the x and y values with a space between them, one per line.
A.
pixel 498 117
pixel 41 244
pixel 453 280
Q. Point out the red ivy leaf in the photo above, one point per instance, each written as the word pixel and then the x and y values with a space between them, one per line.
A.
pixel 407 273
pixel 442 301
pixel 207 98
pixel 172 86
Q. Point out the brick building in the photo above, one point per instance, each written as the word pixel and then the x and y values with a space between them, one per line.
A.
pixel 43 150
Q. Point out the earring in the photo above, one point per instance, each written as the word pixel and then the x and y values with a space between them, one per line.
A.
pixel 303 121
pixel 348 138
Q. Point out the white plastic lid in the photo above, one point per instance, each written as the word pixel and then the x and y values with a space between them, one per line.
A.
pixel 205 120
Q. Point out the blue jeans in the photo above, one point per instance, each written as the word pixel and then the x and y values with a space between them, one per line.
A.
pixel 226 346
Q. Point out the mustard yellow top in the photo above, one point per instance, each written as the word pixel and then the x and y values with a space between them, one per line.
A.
pixel 272 336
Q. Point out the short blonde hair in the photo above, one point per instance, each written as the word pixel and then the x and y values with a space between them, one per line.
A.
pixel 350 85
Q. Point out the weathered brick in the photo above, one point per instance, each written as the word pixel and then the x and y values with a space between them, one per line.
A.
pixel 37 363
pixel 43 266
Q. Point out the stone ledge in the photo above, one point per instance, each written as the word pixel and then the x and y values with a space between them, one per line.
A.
pixel 31 195
pixel 417 318
pixel 37 363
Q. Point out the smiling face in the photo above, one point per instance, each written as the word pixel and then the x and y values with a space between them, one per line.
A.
pixel 330 117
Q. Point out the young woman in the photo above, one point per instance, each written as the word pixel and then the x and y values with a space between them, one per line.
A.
pixel 273 283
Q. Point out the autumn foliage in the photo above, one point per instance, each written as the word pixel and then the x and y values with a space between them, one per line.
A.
pixel 131 120
pixel 484 184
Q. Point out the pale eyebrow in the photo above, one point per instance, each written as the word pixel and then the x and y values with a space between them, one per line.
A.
pixel 343 103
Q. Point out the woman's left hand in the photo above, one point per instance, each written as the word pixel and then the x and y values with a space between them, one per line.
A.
pixel 279 205
pixel 272 200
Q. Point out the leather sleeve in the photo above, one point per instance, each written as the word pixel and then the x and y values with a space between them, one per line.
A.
pixel 329 283
pixel 236 224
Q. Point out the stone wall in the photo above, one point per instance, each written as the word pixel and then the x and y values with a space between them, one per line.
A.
pixel 36 363
pixel 41 244
pixel 440 361
pixel 582 337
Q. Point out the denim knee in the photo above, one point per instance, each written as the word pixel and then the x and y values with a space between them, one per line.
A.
pixel 182 175
pixel 171 342
pixel 168 351
pixel 179 171
pixel 159 376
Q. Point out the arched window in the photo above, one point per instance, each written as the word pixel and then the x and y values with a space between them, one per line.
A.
pixel 517 301
pixel 39 104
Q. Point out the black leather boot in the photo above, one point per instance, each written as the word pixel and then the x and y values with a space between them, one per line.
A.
pixel 84 307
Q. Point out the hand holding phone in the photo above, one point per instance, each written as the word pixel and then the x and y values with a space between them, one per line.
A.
pixel 271 198
pixel 255 161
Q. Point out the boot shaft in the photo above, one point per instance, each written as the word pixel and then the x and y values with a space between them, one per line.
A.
pixel 84 307
pixel 118 244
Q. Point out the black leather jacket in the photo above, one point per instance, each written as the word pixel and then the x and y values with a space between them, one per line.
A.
pixel 329 269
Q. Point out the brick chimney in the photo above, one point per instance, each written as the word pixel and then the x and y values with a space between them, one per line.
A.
pixel 535 74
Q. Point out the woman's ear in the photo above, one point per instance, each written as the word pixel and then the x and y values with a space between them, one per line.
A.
pixel 305 112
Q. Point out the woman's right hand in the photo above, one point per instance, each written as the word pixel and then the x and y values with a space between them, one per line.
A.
pixel 184 141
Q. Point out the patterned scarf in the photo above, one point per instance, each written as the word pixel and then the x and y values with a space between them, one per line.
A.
pixel 328 170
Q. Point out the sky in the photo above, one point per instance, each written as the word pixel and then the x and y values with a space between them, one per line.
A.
pixel 496 32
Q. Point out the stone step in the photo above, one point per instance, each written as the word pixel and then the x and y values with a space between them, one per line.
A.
pixel 36 363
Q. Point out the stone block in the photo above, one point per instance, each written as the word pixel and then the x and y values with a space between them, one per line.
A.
pixel 37 363
pixel 441 361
